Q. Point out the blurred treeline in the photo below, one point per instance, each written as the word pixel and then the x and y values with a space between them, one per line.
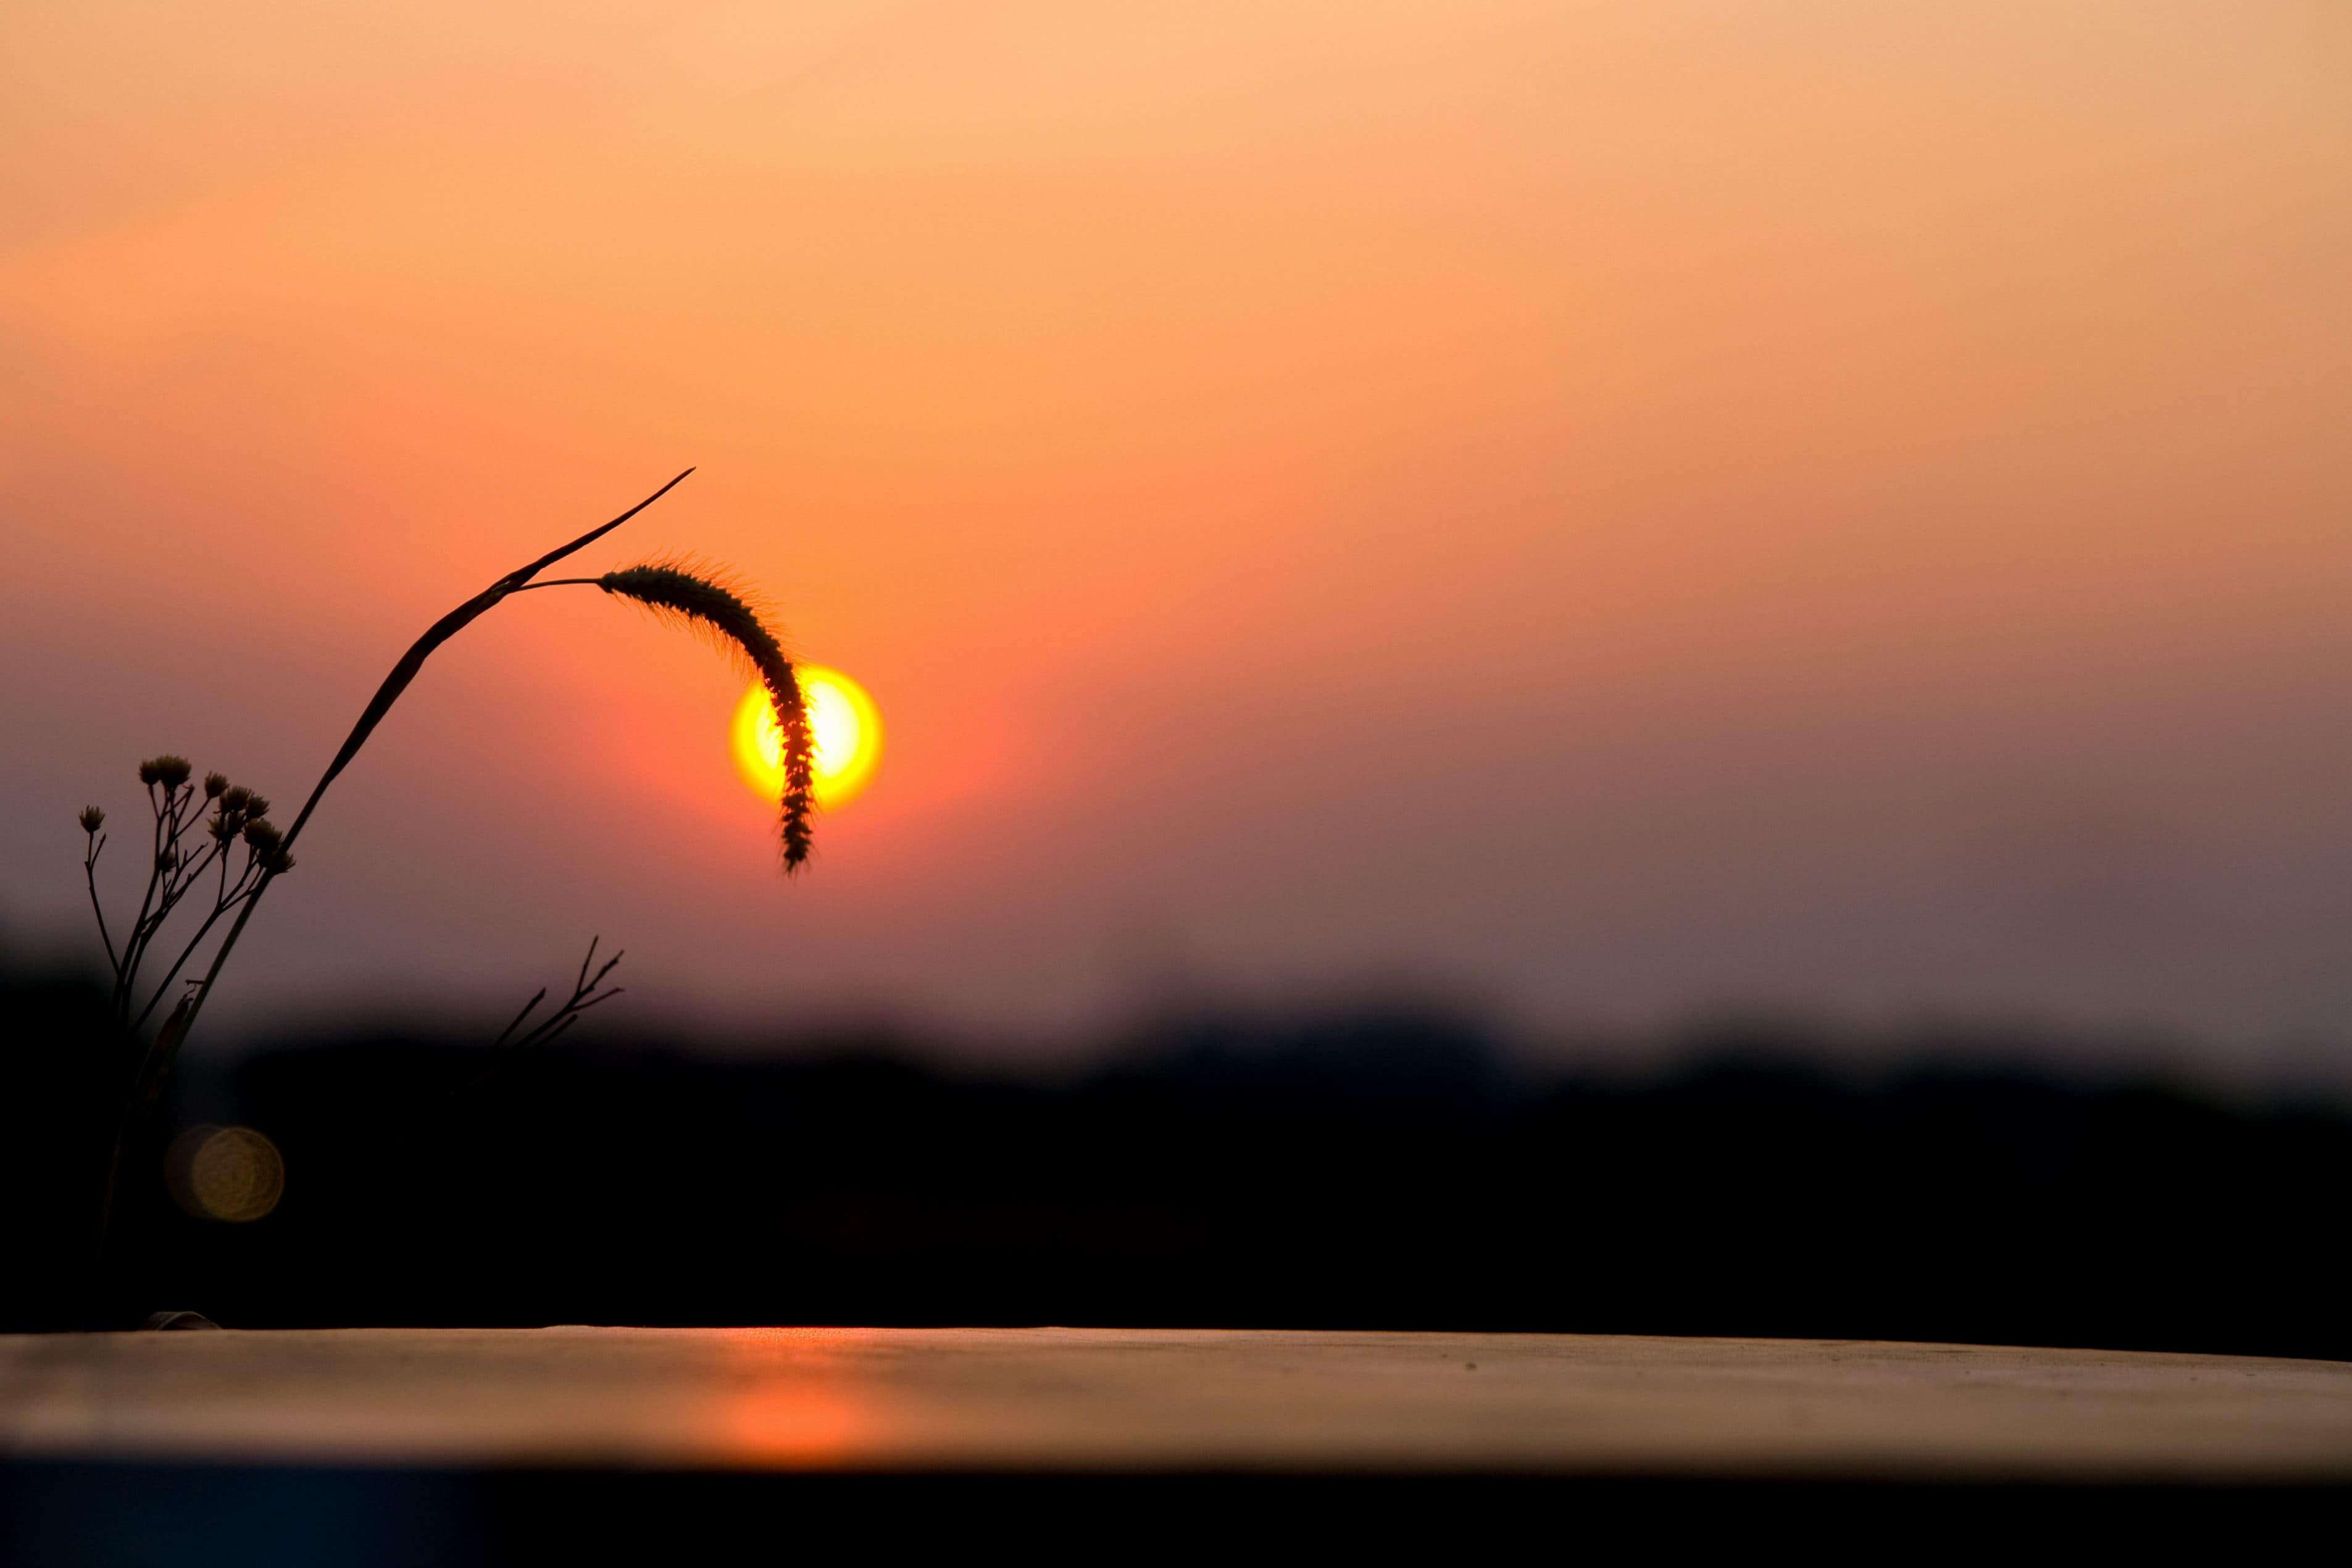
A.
pixel 1379 1169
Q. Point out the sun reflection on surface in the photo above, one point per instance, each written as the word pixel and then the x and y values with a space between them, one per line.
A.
pixel 791 1406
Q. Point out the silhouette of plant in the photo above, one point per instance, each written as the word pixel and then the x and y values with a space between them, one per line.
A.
pixel 194 853
pixel 586 992
pixel 187 846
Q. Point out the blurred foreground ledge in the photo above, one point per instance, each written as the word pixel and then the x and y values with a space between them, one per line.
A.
pixel 1035 1402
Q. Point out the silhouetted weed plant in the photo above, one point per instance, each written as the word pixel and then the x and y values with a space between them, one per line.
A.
pixel 215 837
pixel 586 992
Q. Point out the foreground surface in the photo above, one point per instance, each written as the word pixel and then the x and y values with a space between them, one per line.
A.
pixel 1068 1400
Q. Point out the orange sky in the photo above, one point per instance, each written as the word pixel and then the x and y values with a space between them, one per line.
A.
pixel 1608 510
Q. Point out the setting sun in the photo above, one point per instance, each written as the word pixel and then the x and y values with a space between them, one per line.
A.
pixel 844 723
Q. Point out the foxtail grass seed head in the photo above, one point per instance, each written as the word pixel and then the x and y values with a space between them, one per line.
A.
pixel 690 595
pixel 92 819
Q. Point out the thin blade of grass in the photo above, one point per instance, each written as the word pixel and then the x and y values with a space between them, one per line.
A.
pixel 441 631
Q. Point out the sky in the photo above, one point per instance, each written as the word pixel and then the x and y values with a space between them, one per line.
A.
pixel 1608 513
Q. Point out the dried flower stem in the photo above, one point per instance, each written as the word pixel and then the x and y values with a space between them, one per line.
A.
pixel 93 842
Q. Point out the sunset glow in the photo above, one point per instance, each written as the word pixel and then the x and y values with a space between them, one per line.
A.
pixel 843 721
pixel 1851 499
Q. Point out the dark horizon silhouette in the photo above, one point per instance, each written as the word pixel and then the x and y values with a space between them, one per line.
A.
pixel 1367 1167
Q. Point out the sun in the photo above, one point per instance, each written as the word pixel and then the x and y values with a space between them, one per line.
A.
pixel 843 725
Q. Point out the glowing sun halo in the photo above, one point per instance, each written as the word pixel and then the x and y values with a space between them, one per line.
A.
pixel 843 722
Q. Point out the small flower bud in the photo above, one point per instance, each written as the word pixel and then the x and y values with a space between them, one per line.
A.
pixel 170 772
pixel 149 772
pixel 263 837
pixel 279 864
pixel 223 828
pixel 92 819
pixel 213 784
pixel 233 799
pixel 256 805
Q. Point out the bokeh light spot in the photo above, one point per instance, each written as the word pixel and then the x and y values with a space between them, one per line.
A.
pixel 232 1173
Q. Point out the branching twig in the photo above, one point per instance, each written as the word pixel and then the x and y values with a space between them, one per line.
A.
pixel 537 997
pixel 586 992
